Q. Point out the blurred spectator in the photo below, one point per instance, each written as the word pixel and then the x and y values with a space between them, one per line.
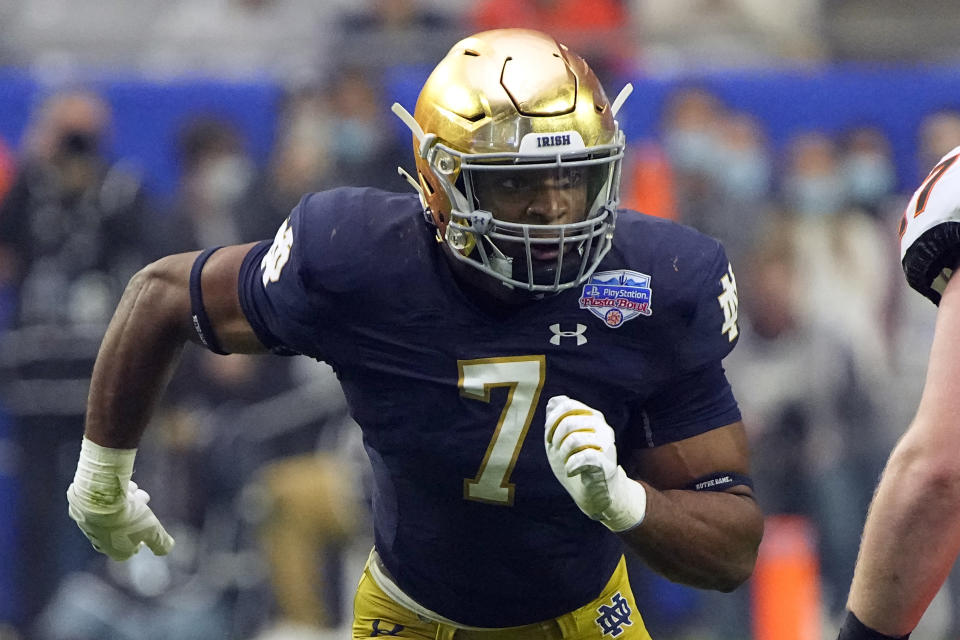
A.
pixel 869 174
pixel 744 165
pixel 71 235
pixel 598 29
pixel 300 163
pixel 939 134
pixel 287 517
pixel 215 174
pixel 727 33
pixel 691 122
pixel 315 529
pixel 843 254
pixel 813 187
pixel 743 176
pixel 812 419
pixel 721 168
pixel 360 153
pixel 72 224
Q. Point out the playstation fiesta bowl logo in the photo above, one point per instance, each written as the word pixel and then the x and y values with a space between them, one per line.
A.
pixel 617 296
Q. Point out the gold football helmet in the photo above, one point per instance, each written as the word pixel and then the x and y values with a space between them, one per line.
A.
pixel 518 159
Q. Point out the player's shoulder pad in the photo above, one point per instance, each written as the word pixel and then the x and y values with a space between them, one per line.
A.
pixel 693 283
pixel 352 226
pixel 930 229
pixel 677 255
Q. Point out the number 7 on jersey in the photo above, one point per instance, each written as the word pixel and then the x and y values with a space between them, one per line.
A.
pixel 524 376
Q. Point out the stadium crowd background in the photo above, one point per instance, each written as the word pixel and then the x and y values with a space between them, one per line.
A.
pixel 129 129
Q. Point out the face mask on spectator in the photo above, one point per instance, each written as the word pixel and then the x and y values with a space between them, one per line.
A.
pixel 691 150
pixel 78 144
pixel 355 140
pixel 744 175
pixel 224 179
pixel 814 196
pixel 869 177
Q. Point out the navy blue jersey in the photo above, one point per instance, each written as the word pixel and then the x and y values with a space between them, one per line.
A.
pixel 468 517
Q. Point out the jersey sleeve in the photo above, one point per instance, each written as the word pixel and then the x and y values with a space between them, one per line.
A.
pixel 711 328
pixel 694 403
pixel 930 229
pixel 695 396
pixel 273 292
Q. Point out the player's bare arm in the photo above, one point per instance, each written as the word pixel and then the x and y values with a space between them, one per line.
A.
pixel 146 335
pixel 152 323
pixel 915 507
pixel 707 539
pixel 670 516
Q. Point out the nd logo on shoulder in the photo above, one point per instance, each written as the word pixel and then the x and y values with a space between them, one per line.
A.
pixel 729 304
pixel 275 259
pixel 617 296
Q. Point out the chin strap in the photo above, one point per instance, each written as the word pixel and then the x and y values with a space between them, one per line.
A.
pixel 411 180
pixel 423 200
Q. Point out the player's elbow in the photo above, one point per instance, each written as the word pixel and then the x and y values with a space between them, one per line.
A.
pixel 737 575
pixel 928 469
pixel 936 482
pixel 160 292
pixel 730 563
pixel 743 557
pixel 736 572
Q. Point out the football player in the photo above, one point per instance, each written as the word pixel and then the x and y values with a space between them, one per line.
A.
pixel 912 534
pixel 537 374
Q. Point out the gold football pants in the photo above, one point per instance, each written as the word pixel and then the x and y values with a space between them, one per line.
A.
pixel 613 614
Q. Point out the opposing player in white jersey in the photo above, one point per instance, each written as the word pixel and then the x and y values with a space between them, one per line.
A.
pixel 912 535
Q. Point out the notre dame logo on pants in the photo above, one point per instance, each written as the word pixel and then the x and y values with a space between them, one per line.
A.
pixel 613 617
pixel 379 631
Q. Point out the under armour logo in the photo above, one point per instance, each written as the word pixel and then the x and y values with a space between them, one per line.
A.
pixel 614 616
pixel 728 303
pixel 578 334
pixel 377 631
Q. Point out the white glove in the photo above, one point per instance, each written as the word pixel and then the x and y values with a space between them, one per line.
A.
pixel 110 509
pixel 582 453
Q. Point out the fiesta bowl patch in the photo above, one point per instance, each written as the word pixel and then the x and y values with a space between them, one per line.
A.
pixel 617 296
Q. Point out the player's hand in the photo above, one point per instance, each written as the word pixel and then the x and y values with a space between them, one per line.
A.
pixel 111 510
pixel 582 452
pixel 121 534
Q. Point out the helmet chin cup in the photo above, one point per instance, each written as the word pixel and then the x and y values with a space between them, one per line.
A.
pixel 457 238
